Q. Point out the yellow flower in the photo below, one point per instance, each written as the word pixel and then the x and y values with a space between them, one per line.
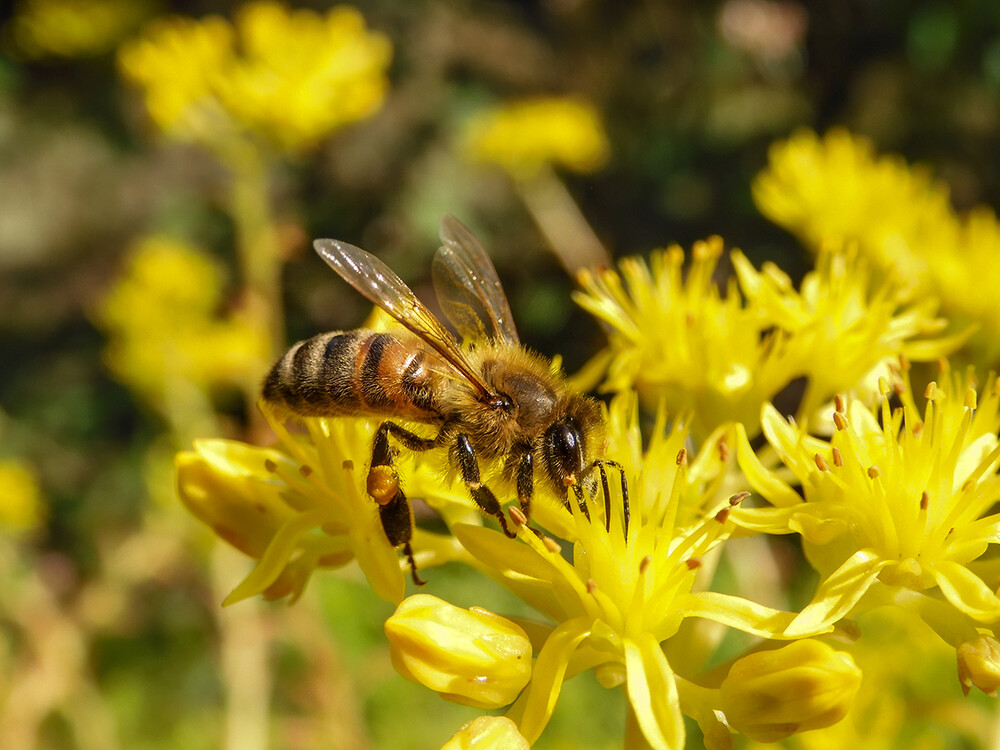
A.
pixel 836 190
pixel 722 356
pixel 524 136
pixel 470 656
pixel 893 509
pixel 488 733
pixel 289 77
pixel 71 28
pixel 770 695
pixel 303 504
pixel 22 506
pixel 617 597
pixel 165 336
pixel 979 664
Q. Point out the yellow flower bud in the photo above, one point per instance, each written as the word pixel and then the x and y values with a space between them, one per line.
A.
pixel 488 733
pixel 470 656
pixel 805 685
pixel 979 664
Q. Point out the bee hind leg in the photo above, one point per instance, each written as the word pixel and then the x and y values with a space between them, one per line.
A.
pixel 468 465
pixel 394 509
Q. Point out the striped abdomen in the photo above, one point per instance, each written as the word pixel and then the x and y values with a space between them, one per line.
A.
pixel 355 373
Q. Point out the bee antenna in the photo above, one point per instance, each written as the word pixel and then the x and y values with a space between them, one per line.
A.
pixel 626 509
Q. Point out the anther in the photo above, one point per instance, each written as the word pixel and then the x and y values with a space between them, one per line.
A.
pixel 723 449
pixel 873 472
pixel 348 465
pixel 904 362
pixel 970 399
pixel 821 463
pixel 591 585
pixel 838 460
pixel 693 563
pixel 723 515
pixel 552 545
pixel 738 498
pixel 840 420
pixel 644 564
pixel 931 391
pixel 517 516
pixel 682 457
pixel 270 465
pixel 305 470
pixel 924 500
pixel 838 402
pixel 883 386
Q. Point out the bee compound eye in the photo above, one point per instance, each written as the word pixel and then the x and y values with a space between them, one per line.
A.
pixel 564 451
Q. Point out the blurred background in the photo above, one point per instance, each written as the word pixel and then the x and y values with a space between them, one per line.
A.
pixel 157 206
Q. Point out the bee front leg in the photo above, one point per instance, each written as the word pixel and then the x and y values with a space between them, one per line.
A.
pixel 468 465
pixel 394 509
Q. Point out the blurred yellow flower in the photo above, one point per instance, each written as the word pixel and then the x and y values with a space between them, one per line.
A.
pixel 488 733
pixel 721 357
pixel 288 77
pixel 892 510
pixel 71 28
pixel 165 334
pixel 524 136
pixel 835 189
pixel 22 506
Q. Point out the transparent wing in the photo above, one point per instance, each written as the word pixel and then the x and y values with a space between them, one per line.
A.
pixel 468 288
pixel 382 287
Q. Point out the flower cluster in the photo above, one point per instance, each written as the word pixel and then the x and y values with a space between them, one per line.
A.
pixel 736 412
pixel 288 78
pixel 523 136
pixel 71 28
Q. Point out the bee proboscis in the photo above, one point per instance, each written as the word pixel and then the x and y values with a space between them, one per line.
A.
pixel 490 399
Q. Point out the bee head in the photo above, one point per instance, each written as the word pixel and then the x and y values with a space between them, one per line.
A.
pixel 565 443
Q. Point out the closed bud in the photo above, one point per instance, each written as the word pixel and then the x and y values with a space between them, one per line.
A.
pixel 470 656
pixel 770 695
pixel 979 665
pixel 488 733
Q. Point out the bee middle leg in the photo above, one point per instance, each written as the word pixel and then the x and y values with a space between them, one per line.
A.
pixel 468 465
pixel 394 509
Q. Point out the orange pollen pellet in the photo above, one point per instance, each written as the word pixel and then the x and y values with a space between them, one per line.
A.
pixel 873 472
pixel 840 420
pixel 821 463
pixel 838 460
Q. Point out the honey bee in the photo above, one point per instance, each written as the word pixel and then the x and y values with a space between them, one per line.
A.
pixel 489 399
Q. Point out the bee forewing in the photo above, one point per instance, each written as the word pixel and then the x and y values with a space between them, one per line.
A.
pixel 468 287
pixel 382 287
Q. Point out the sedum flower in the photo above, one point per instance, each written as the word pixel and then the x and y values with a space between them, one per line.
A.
pixel 895 507
pixel 524 136
pixel 770 695
pixel 470 656
pixel 71 28
pixel 288 77
pixel 979 664
pixel 722 356
pixel 166 339
pixel 488 733
pixel 617 598
pixel 303 504
pixel 22 506
pixel 835 189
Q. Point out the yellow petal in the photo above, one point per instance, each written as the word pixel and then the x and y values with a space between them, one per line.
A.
pixel 652 692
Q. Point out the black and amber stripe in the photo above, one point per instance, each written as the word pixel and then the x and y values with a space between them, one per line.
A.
pixel 358 372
